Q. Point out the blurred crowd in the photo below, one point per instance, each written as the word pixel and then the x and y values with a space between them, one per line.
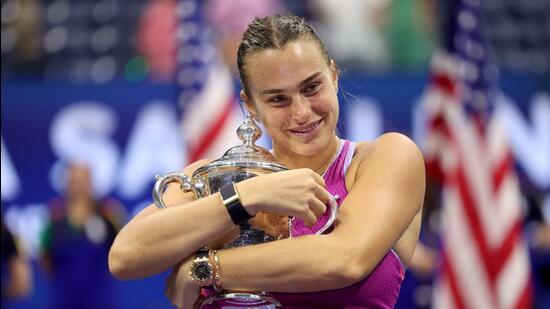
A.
pixel 74 248
pixel 98 41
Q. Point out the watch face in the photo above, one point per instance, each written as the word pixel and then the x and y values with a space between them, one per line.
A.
pixel 202 271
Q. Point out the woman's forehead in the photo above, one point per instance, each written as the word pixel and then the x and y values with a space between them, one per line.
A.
pixel 285 67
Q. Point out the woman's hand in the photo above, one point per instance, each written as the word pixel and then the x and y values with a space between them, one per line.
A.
pixel 180 289
pixel 298 192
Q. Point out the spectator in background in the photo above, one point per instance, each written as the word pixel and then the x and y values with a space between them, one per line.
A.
pixel 76 242
pixel 16 270
pixel 22 36
pixel 410 34
pixel 156 38
pixel 158 28
pixel 229 20
pixel 353 31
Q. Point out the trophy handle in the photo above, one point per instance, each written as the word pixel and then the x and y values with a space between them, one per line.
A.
pixel 163 181
pixel 333 207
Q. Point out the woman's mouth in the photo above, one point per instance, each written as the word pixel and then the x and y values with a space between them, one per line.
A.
pixel 307 129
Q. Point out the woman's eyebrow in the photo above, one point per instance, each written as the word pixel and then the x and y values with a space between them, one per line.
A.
pixel 302 83
pixel 309 79
pixel 272 91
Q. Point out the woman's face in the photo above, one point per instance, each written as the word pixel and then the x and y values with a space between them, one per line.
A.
pixel 293 93
pixel 79 183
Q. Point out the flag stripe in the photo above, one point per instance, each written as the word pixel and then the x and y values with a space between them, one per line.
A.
pixel 442 294
pixel 516 267
pixel 476 170
pixel 502 171
pixel 491 260
pixel 209 137
pixel 449 275
pixel 206 95
pixel 465 259
pixel 525 299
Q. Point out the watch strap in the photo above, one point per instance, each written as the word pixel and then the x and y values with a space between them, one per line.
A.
pixel 201 254
pixel 232 202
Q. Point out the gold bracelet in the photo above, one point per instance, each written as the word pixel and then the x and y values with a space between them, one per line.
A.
pixel 215 260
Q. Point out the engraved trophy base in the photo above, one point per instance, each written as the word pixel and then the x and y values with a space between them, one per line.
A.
pixel 234 300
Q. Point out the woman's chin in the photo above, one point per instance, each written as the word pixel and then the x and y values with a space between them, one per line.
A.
pixel 311 148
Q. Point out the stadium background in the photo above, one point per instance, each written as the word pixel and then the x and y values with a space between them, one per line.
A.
pixel 85 79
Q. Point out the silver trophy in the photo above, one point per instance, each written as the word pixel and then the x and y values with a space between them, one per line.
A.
pixel 239 163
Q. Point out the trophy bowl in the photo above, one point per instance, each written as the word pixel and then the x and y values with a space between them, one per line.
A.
pixel 239 163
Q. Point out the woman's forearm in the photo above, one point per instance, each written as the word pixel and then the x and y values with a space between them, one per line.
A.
pixel 304 264
pixel 158 239
pixel 151 244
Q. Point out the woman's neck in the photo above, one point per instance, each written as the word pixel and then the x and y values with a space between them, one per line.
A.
pixel 318 162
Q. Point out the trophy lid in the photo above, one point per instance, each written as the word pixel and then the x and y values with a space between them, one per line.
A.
pixel 247 155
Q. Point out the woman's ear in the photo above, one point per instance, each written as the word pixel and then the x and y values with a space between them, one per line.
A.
pixel 248 104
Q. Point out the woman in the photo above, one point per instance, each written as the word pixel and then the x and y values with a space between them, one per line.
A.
pixel 290 84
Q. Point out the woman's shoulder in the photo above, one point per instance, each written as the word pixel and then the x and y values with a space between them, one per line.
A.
pixel 389 149
pixel 387 143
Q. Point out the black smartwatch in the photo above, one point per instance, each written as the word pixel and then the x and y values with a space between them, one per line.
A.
pixel 232 202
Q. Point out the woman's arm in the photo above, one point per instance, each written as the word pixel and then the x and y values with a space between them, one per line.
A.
pixel 387 194
pixel 158 239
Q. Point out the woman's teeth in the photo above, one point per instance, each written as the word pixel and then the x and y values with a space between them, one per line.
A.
pixel 308 129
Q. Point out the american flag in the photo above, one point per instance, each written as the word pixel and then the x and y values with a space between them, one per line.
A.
pixel 484 261
pixel 206 95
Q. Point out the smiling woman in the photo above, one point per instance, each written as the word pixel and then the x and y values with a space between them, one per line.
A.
pixel 292 91
pixel 290 84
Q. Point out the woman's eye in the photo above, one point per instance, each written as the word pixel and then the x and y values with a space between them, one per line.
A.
pixel 312 89
pixel 277 99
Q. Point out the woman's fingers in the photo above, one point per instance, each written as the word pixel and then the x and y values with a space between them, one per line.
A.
pixel 300 193
pixel 309 217
pixel 322 194
pixel 318 207
pixel 318 178
pixel 315 197
pixel 313 209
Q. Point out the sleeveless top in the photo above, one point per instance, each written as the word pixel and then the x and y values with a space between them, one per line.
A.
pixel 379 289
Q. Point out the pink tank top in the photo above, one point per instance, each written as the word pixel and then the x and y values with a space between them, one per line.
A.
pixel 379 289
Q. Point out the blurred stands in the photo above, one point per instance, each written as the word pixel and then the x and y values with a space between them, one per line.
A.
pixel 96 41
pixel 81 41
pixel 519 32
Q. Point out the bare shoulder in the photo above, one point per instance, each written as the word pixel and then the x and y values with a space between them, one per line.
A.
pixel 388 148
pixel 391 153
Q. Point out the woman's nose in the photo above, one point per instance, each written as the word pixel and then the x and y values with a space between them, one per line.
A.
pixel 302 109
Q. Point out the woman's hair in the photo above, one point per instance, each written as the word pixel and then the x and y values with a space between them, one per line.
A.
pixel 273 32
